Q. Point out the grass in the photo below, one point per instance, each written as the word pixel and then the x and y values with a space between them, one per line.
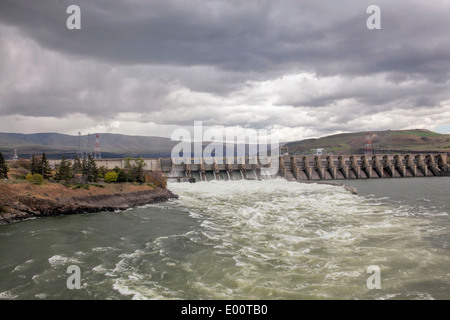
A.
pixel 406 140
pixel 418 133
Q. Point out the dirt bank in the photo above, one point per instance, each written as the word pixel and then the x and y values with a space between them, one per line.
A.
pixel 19 201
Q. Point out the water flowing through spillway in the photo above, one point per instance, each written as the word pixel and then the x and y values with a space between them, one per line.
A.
pixel 269 239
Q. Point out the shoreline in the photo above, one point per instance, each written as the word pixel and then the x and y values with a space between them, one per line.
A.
pixel 24 201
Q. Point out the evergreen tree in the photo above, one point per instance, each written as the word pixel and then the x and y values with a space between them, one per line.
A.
pixel 3 168
pixel 77 167
pixel 64 171
pixel 84 167
pixel 94 170
pixel 46 170
pixel 36 165
pixel 121 175
pixel 90 171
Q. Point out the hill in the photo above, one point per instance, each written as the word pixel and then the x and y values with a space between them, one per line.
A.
pixel 390 140
pixel 119 145
pixel 112 145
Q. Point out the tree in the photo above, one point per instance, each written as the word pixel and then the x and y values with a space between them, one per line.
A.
pixel 46 170
pixel 137 170
pixel 64 171
pixel 84 167
pixel 102 171
pixel 111 176
pixel 77 167
pixel 35 165
pixel 121 176
pixel 127 164
pixel 90 171
pixel 3 168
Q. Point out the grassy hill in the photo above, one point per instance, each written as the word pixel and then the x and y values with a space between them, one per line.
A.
pixel 392 140
pixel 119 145
pixel 111 145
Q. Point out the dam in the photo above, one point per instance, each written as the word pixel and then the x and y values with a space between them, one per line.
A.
pixel 314 168
pixel 295 167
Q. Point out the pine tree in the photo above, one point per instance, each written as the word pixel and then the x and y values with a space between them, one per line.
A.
pixel 84 167
pixel 90 171
pixel 121 176
pixel 36 165
pixel 64 171
pixel 3 168
pixel 46 170
pixel 77 167
pixel 94 170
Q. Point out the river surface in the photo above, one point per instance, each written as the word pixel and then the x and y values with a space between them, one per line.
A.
pixel 268 239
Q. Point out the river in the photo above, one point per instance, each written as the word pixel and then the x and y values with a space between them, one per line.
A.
pixel 269 239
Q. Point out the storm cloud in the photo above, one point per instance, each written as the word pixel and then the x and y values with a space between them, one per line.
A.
pixel 146 67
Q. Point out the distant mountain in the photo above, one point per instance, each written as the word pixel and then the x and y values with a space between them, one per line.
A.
pixel 111 145
pixel 391 140
pixel 118 145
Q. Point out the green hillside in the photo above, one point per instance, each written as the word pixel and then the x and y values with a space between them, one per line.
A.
pixel 392 140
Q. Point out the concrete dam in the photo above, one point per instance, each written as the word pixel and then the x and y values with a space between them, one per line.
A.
pixel 292 167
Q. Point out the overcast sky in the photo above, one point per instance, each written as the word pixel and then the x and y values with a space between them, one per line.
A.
pixel 306 68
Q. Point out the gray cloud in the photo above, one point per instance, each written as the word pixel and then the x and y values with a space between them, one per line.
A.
pixel 225 62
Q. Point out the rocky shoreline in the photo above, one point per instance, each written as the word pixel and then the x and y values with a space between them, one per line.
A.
pixel 17 206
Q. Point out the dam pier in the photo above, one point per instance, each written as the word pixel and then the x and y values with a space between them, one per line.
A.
pixel 295 167
pixel 363 166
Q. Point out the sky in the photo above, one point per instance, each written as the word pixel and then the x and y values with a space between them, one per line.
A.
pixel 303 68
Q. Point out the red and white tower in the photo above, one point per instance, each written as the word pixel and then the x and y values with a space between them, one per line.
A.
pixel 97 153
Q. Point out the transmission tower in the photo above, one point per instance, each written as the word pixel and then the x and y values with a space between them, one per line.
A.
pixel 97 153
pixel 79 146
pixel 383 142
pixel 89 146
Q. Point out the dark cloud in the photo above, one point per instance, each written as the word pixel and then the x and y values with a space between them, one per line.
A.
pixel 211 60
pixel 327 38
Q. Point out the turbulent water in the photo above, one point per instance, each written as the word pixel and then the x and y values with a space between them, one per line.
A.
pixel 269 239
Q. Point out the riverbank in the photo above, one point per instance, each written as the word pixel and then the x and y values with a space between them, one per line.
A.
pixel 22 200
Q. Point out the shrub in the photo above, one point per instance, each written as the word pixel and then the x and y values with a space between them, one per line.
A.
pixel 81 186
pixel 157 179
pixel 102 171
pixel 24 163
pixel 111 177
pixel 121 176
pixel 35 178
